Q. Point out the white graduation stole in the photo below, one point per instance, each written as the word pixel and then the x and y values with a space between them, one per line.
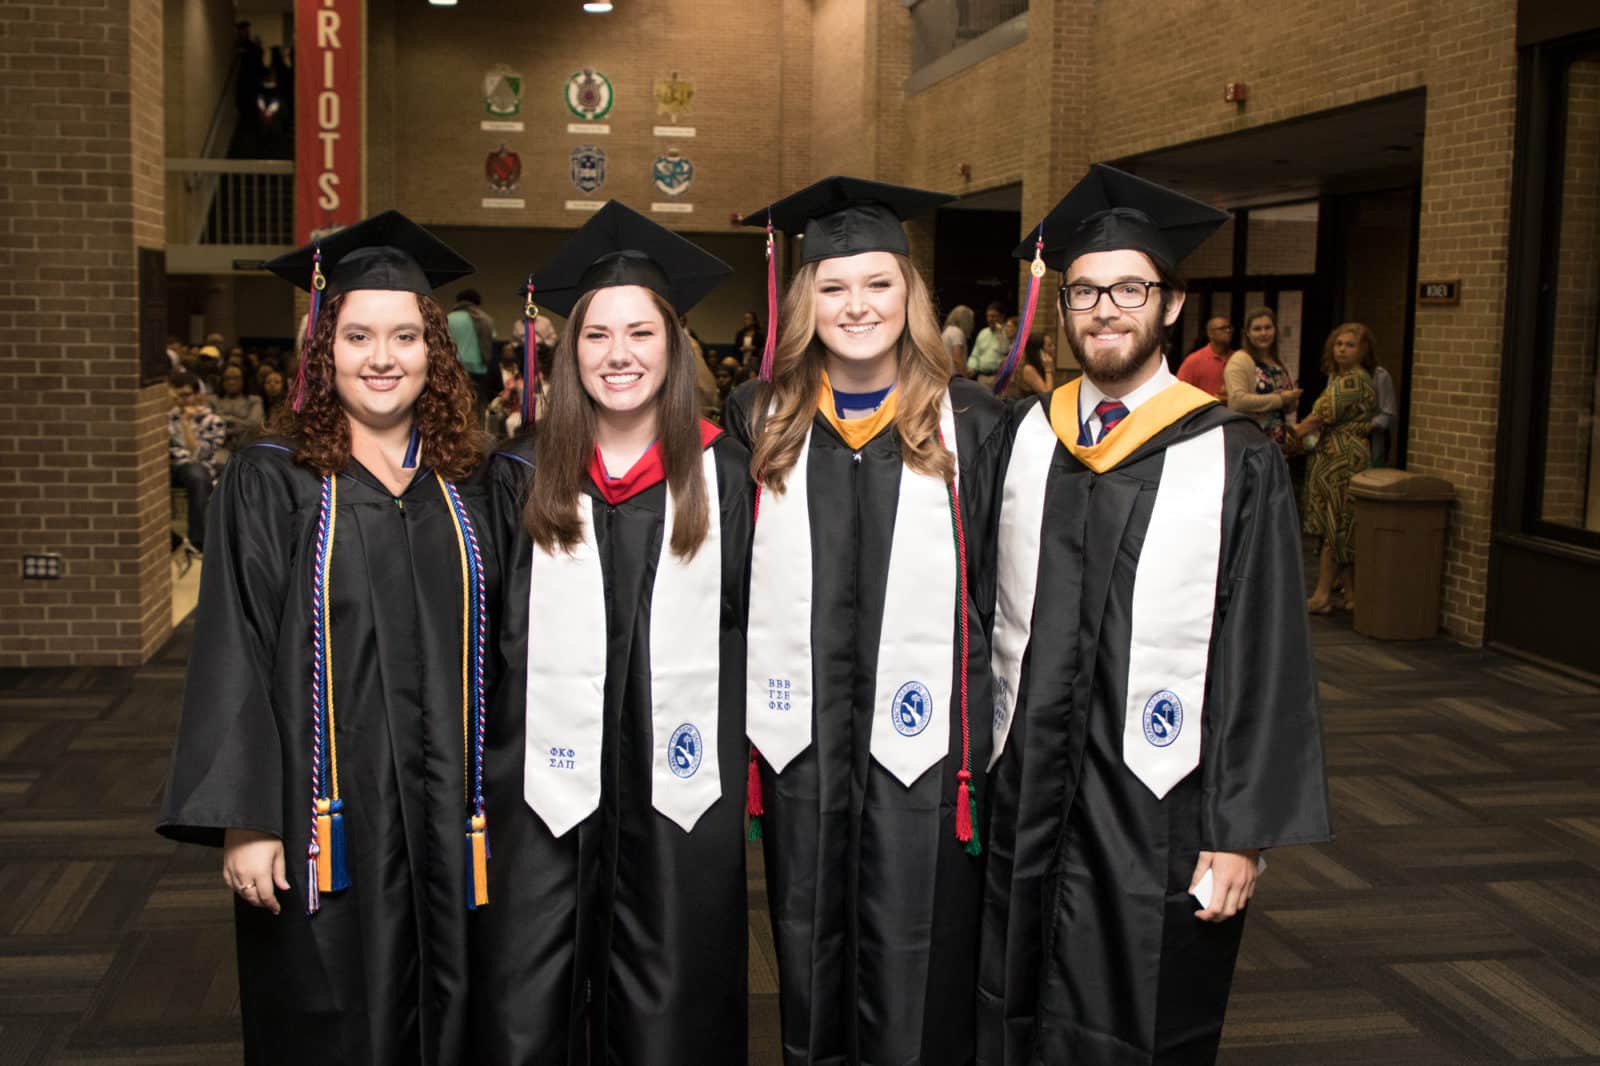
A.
pixel 914 684
pixel 565 709
pixel 1017 580
pixel 1174 603
pixel 1174 598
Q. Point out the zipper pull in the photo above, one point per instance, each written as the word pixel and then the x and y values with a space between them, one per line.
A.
pixel 856 458
pixel 401 504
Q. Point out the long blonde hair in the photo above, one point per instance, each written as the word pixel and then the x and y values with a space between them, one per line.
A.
pixel 784 407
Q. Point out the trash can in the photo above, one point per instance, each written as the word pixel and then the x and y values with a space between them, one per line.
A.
pixel 1400 523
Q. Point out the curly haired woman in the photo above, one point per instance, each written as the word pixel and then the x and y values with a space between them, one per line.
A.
pixel 335 695
pixel 1340 422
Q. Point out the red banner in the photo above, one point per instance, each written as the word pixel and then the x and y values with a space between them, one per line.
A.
pixel 327 98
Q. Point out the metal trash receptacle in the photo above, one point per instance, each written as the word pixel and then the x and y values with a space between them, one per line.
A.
pixel 1401 519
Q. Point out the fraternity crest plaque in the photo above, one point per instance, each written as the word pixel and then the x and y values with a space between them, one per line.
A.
pixel 502 92
pixel 588 94
pixel 672 172
pixel 674 97
pixel 588 168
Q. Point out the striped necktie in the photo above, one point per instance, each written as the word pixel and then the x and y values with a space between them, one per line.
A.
pixel 1110 413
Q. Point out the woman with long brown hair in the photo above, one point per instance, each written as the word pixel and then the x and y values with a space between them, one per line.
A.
pixel 336 690
pixel 618 932
pixel 1258 383
pixel 871 595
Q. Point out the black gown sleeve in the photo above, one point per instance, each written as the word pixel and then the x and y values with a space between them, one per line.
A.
pixel 226 769
pixel 1264 783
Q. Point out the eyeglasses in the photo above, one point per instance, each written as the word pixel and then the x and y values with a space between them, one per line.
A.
pixel 1127 295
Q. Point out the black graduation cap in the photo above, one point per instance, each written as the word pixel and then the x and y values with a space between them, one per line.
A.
pixel 841 216
pixel 1111 209
pixel 387 251
pixel 619 246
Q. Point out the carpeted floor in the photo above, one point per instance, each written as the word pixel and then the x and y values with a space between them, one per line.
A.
pixel 1455 920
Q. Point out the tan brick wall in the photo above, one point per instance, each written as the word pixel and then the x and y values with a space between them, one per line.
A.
pixel 1466 190
pixel 1160 66
pixel 425 150
pixel 82 460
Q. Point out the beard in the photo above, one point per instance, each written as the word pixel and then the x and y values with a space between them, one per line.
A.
pixel 1110 369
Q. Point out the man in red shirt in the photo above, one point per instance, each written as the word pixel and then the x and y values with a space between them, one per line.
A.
pixel 1202 367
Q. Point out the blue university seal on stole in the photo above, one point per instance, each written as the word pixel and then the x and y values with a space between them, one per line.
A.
pixel 1162 718
pixel 913 708
pixel 684 750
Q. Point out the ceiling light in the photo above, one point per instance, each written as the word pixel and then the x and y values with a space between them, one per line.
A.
pixel 443 3
pixel 597 7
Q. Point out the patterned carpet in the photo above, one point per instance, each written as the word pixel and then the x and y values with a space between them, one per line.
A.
pixel 1455 920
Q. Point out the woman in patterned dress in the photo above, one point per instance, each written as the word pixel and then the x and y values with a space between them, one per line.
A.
pixel 1337 430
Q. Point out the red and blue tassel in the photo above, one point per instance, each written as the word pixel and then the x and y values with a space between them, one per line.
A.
pixel 1014 356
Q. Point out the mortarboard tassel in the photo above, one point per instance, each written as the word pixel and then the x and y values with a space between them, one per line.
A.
pixel 318 283
pixel 477 862
pixel 770 348
pixel 413 446
pixel 1014 356
pixel 530 361
pixel 753 802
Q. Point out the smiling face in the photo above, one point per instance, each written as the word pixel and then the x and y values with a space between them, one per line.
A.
pixel 380 357
pixel 860 313
pixel 622 351
pixel 1116 345
pixel 1262 332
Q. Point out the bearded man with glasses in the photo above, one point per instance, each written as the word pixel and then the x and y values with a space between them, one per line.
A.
pixel 1156 724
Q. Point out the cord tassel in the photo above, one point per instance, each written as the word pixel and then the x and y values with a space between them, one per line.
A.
pixel 769 349
pixel 967 814
pixel 477 862
pixel 1014 356
pixel 332 870
pixel 313 899
pixel 754 804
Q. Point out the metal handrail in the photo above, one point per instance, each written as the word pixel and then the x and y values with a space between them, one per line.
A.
pixel 231 166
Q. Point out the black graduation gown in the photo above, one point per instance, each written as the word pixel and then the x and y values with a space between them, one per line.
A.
pixel 875 903
pixel 378 976
pixel 1091 951
pixel 624 941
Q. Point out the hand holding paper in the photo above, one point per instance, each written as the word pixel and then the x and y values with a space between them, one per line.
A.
pixel 1226 878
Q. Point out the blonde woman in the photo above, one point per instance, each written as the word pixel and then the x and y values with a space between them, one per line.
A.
pixel 870 599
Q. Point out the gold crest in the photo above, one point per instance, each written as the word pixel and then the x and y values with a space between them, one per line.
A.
pixel 674 97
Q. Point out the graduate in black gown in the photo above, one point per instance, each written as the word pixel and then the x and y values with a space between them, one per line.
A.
pixel 616 752
pixel 1157 718
pixel 871 594
pixel 336 684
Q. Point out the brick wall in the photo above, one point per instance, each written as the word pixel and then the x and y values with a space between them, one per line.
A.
pixel 1466 193
pixel 82 448
pixel 426 152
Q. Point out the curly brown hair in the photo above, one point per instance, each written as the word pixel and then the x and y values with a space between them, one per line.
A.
pixel 450 442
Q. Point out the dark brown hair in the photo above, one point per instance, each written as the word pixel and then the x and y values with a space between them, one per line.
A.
pixel 921 379
pixel 443 412
pixel 1369 355
pixel 565 436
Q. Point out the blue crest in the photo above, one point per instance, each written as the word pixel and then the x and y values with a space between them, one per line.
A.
pixel 588 167
pixel 1162 718
pixel 684 750
pixel 912 709
pixel 672 173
